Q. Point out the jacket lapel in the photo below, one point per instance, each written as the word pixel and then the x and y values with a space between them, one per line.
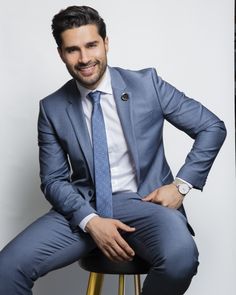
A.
pixel 76 115
pixel 124 108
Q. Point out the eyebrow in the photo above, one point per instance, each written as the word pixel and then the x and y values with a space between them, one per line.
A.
pixel 71 47
pixel 75 47
pixel 92 43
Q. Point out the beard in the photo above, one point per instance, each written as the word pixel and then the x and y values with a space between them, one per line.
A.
pixel 90 74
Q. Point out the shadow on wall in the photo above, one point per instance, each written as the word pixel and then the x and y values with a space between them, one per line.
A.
pixel 70 280
pixel 73 280
pixel 24 201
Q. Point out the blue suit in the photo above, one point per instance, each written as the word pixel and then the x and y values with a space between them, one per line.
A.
pixel 67 177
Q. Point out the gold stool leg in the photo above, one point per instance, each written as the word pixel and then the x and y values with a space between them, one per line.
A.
pixel 95 283
pixel 121 290
pixel 137 285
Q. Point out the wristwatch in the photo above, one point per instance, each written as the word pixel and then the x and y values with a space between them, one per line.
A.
pixel 182 186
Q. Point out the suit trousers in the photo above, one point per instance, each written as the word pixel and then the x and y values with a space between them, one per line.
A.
pixel 161 237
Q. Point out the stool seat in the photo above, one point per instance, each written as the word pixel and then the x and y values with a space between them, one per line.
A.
pixel 99 263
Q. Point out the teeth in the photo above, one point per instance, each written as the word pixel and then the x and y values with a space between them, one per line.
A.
pixel 87 71
pixel 84 68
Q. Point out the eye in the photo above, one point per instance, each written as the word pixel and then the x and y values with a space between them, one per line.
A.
pixel 71 49
pixel 92 45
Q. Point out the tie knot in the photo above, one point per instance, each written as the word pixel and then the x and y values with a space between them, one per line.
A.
pixel 95 96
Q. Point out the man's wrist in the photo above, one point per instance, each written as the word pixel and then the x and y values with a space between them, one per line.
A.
pixel 183 186
pixel 183 180
pixel 84 221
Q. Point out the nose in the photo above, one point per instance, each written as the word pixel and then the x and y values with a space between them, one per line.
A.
pixel 84 56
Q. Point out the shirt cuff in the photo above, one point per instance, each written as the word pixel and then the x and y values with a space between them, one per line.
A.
pixel 86 219
pixel 189 184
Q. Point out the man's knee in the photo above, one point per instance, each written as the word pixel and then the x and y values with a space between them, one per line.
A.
pixel 172 276
pixel 13 267
pixel 8 269
pixel 180 263
pixel 14 276
pixel 178 269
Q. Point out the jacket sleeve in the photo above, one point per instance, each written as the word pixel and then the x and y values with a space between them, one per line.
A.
pixel 190 116
pixel 55 174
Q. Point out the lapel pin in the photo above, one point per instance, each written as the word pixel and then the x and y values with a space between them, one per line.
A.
pixel 125 96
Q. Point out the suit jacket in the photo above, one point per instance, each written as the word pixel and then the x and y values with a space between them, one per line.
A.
pixel 66 159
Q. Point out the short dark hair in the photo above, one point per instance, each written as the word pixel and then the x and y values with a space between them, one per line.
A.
pixel 74 17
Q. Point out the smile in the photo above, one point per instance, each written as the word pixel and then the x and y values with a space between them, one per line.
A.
pixel 87 70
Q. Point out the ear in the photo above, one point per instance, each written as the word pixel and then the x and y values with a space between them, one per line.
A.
pixel 106 44
pixel 60 53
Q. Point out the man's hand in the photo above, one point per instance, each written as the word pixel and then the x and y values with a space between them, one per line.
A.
pixel 167 195
pixel 105 233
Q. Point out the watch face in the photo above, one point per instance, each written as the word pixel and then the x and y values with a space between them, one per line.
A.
pixel 183 188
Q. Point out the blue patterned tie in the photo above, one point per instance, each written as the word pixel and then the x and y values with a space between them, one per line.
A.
pixel 100 158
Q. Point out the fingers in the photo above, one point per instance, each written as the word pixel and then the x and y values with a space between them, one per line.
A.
pixel 148 198
pixel 106 235
pixel 123 226
pixel 117 254
pixel 127 251
pixel 167 196
pixel 111 254
pixel 117 249
pixel 121 248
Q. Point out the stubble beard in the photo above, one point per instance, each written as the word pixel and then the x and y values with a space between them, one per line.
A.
pixel 89 82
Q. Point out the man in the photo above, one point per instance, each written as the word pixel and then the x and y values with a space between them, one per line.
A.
pixel 104 171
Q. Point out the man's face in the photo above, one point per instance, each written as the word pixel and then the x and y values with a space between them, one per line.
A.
pixel 84 53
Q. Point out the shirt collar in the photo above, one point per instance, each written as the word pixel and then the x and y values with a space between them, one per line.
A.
pixel 104 86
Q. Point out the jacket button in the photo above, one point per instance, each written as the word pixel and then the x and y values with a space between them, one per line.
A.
pixel 90 193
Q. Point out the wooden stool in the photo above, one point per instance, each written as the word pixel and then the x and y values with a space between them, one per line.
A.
pixel 98 265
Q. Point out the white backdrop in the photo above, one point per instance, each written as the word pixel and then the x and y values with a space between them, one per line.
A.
pixel 190 42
